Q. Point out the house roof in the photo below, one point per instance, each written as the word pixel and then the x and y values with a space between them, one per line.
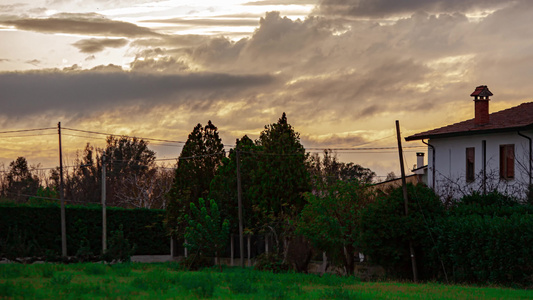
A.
pixel 516 118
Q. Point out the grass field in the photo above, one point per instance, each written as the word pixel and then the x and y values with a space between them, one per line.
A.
pixel 168 281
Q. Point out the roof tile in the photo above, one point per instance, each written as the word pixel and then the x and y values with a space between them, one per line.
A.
pixel 509 119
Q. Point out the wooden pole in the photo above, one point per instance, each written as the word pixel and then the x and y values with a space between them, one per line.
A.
pixel 406 201
pixel 62 197
pixel 104 213
pixel 239 199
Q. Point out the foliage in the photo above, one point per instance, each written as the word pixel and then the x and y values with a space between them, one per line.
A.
pixel 198 161
pixel 330 219
pixel 282 175
pixel 132 178
pixel 207 234
pixel 271 261
pixel 488 249
pixel 483 237
pixel 20 182
pixel 45 192
pixel 328 170
pixel 119 248
pixel 386 231
pixel 36 230
pixel 223 187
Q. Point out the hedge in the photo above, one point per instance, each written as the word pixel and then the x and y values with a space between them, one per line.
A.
pixel 487 249
pixel 36 230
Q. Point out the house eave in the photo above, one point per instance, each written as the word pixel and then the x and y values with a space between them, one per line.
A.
pixel 468 133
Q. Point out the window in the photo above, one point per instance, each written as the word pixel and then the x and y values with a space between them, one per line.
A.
pixel 470 158
pixel 507 161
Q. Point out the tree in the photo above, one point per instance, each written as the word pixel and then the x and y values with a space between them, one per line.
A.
pixel 328 170
pixel 281 179
pixel 206 234
pixel 198 162
pixel 223 187
pixel 21 184
pixel 330 219
pixel 126 158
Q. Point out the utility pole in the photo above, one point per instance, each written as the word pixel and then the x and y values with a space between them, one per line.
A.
pixel 405 198
pixel 239 198
pixel 104 215
pixel 62 198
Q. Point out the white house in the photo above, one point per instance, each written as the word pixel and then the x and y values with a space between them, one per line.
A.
pixel 490 151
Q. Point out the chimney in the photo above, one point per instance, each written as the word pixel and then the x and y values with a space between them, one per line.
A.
pixel 419 159
pixel 481 100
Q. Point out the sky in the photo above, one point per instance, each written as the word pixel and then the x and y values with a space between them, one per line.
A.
pixel 342 70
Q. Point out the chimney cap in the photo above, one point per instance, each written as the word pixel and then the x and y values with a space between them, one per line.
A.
pixel 481 91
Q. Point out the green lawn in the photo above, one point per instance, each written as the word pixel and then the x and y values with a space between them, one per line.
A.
pixel 167 281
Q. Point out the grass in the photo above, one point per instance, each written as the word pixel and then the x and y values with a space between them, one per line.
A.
pixel 167 281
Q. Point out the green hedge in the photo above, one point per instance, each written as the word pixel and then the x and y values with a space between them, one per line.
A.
pixel 36 230
pixel 488 249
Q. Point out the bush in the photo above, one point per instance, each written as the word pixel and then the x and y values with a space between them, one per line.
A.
pixel 386 231
pixel 271 262
pixel 32 230
pixel 119 249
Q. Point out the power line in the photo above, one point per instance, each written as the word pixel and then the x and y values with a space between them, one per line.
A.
pixel 127 136
pixel 27 135
pixel 27 130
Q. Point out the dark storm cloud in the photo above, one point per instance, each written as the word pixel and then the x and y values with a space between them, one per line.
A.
pixel 104 89
pixel 91 24
pixel 384 8
pixel 97 45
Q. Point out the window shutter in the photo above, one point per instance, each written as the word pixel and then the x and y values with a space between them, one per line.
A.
pixel 510 161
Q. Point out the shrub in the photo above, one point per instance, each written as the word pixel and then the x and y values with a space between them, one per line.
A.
pixel 271 262
pixel 386 231
pixel 119 249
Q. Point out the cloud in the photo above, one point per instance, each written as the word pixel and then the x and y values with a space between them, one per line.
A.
pixel 34 62
pixel 4 60
pixel 89 58
pixel 90 23
pixel 209 22
pixel 108 88
pixel 98 45
pixel 385 8
pixel 282 2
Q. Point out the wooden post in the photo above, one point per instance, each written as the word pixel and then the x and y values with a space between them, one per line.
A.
pixel 104 212
pixel 405 198
pixel 62 197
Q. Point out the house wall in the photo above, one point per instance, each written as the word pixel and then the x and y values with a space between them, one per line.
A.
pixel 450 164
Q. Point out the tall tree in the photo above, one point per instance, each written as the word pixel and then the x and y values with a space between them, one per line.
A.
pixel 198 162
pixel 282 176
pixel 223 188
